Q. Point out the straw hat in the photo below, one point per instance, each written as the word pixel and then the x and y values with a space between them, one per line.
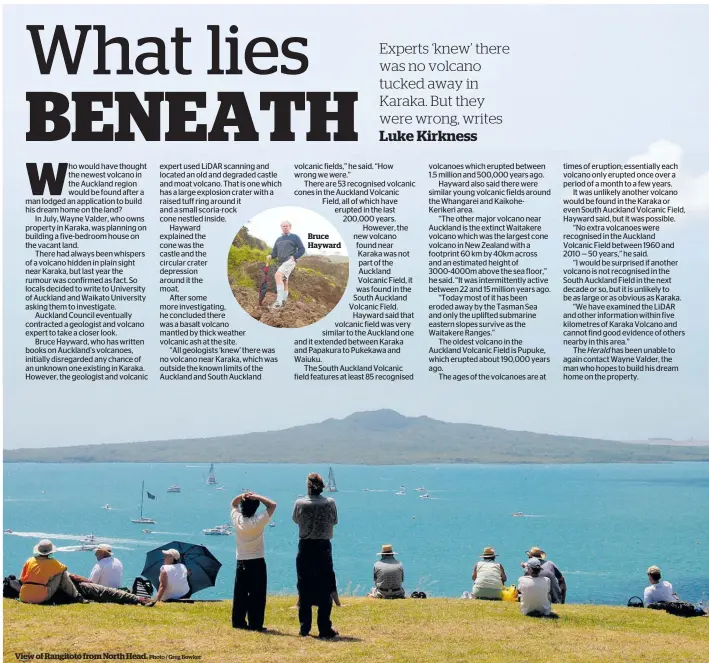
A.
pixel 488 552
pixel 172 553
pixel 105 547
pixel 654 570
pixel 388 549
pixel 44 548
pixel 534 551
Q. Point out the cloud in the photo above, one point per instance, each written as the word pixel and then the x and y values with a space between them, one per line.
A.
pixel 693 190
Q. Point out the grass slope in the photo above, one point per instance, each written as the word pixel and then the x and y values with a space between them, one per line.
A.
pixel 401 631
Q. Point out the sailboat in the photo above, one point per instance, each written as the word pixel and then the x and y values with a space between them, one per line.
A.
pixel 142 519
pixel 211 479
pixel 331 486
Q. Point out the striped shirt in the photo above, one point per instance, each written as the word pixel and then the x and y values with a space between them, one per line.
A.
pixel 389 574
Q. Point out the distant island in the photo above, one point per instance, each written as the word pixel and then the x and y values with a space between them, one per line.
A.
pixel 379 437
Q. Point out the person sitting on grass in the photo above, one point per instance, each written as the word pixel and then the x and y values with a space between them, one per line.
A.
pixel 658 590
pixel 488 577
pixel 173 578
pixel 551 571
pixel 388 576
pixel 46 580
pixel 108 570
pixel 534 591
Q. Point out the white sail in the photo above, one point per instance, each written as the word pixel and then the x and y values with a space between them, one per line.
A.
pixel 331 486
pixel 211 479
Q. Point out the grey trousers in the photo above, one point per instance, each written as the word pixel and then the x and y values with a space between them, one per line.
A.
pixel 61 589
pixel 100 594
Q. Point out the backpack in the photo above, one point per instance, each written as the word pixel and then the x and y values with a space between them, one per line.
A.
pixel 635 602
pixel 11 587
pixel 678 608
pixel 143 588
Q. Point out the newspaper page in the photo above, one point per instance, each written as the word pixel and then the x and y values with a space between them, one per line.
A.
pixel 355 332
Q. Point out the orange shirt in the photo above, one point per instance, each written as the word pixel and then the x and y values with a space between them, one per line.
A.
pixel 36 573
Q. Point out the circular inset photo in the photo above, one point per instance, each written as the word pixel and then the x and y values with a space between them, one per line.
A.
pixel 288 267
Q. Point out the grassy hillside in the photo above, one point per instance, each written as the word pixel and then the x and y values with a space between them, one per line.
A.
pixel 381 437
pixel 430 631
pixel 316 285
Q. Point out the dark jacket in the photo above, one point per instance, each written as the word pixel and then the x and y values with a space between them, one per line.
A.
pixel 286 247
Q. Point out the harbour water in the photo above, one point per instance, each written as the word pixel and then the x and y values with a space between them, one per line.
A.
pixel 603 525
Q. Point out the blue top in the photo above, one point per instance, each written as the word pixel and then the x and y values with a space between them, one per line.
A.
pixel 287 246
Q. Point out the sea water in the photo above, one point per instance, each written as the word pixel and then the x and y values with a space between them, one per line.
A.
pixel 603 525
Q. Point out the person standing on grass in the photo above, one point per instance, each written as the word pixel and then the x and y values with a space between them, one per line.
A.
pixel 287 250
pixel 316 517
pixel 249 604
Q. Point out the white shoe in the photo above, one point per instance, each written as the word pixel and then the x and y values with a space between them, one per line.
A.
pixel 276 305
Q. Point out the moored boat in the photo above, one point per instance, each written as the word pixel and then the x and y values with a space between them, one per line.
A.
pixel 143 520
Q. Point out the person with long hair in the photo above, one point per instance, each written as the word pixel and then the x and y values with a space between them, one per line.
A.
pixel 316 517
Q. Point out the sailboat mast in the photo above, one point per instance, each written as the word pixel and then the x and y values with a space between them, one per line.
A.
pixel 142 494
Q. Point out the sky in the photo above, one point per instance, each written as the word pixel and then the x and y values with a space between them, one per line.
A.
pixel 304 222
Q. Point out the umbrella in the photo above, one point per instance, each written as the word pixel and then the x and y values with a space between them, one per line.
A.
pixel 264 285
pixel 203 565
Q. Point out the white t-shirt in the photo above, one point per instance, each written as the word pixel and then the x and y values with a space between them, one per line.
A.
pixel 534 594
pixel 662 591
pixel 107 572
pixel 177 585
pixel 249 534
